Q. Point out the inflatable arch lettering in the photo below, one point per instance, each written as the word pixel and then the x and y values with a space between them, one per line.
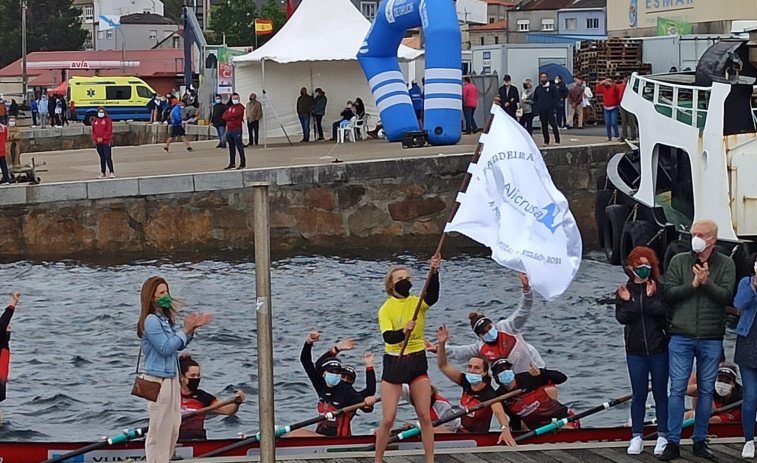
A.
pixel 442 112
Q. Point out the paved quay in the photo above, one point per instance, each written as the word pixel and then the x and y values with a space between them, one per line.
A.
pixel 151 160
pixel 727 450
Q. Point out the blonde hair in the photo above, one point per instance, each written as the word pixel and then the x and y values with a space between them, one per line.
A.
pixel 388 285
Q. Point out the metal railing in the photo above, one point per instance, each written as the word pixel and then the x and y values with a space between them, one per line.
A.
pixel 686 104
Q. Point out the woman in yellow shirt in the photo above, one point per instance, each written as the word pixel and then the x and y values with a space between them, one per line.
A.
pixel 395 321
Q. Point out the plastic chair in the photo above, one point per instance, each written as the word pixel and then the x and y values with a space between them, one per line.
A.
pixel 347 129
pixel 361 126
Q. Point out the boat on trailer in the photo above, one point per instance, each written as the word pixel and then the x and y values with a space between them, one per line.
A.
pixel 695 159
pixel 35 452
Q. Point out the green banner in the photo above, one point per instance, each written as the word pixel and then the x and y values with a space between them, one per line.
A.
pixel 672 27
pixel 225 54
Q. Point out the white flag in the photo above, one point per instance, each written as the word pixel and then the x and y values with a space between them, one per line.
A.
pixel 512 206
pixel 108 21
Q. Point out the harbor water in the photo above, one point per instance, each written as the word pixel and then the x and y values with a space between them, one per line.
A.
pixel 74 344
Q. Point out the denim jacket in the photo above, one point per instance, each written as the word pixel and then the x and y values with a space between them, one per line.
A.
pixel 746 302
pixel 161 344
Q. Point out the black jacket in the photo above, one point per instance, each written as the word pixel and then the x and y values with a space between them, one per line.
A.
pixel 509 95
pixel 645 320
pixel 545 98
pixel 217 116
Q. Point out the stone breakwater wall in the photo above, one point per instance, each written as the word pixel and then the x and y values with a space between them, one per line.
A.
pixel 78 136
pixel 388 205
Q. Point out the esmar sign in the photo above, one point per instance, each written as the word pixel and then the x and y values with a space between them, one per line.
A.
pixel 666 4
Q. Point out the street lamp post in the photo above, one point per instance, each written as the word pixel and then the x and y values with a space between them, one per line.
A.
pixel 24 77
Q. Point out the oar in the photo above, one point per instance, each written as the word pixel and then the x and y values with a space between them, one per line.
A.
pixel 690 421
pixel 130 434
pixel 562 422
pixel 417 430
pixel 440 245
pixel 280 431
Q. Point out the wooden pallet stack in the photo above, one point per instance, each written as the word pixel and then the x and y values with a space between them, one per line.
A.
pixel 596 60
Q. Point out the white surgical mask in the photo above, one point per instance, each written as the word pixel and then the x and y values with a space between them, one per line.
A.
pixel 218 100
pixel 12 123
pixel 557 81
pixel 235 101
pixel 101 114
pixel 698 244
pixel 723 389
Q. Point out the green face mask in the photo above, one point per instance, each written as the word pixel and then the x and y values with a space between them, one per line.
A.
pixel 642 271
pixel 164 302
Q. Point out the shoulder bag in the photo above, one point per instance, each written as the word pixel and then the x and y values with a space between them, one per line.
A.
pixel 144 387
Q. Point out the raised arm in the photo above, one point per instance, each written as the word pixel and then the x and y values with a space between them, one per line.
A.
pixel 449 371
pixel 5 319
pixel 432 293
pixel 306 360
pixel 746 295
pixel 515 322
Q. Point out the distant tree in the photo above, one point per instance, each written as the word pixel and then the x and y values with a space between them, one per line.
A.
pixel 236 19
pixel 172 10
pixel 51 25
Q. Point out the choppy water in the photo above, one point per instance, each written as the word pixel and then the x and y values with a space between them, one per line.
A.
pixel 74 343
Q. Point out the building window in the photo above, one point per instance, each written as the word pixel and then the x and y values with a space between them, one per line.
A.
pixel 109 34
pixel 176 43
pixel 592 23
pixel 368 9
pixel 89 14
pixel 491 20
pixel 524 25
pixel 482 40
pixel 153 35
pixel 496 40
pixel 571 24
pixel 548 25
pixel 100 35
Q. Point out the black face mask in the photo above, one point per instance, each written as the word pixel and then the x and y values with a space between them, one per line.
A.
pixel 193 384
pixel 544 82
pixel 402 287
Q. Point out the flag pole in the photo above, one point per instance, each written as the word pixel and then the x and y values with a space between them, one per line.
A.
pixel 463 188
pixel 255 26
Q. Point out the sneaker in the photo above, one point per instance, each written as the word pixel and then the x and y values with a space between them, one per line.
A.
pixel 229 167
pixel 112 175
pixel 101 176
pixel 165 149
pixel 241 167
pixel 621 139
pixel 702 449
pixel 748 451
pixel 671 452
pixel 636 446
pixel 190 149
pixel 660 446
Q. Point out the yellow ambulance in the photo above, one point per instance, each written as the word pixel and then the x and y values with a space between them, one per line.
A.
pixel 125 98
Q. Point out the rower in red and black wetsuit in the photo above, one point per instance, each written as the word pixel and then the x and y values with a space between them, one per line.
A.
pixel 193 398
pixel 333 394
pixel 5 350
pixel 349 375
pixel 537 405
pixel 477 388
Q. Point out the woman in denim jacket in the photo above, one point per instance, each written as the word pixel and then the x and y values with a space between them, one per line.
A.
pixel 746 356
pixel 161 343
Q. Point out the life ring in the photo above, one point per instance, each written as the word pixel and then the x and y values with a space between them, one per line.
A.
pixel 443 101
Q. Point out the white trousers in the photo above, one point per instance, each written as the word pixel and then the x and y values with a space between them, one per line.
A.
pixel 165 420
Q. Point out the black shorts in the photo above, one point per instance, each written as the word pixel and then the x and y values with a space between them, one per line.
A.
pixel 404 370
pixel 177 131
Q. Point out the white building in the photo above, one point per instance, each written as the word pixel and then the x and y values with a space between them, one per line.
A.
pixel 91 10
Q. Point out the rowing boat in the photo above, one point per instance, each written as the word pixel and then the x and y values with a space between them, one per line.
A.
pixel 34 452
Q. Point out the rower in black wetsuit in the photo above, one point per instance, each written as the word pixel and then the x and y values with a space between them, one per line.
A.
pixel 333 393
pixel 5 350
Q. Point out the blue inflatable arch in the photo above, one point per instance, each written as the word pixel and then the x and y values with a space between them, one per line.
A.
pixel 442 112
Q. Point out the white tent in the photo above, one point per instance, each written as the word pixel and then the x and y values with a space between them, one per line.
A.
pixel 317 47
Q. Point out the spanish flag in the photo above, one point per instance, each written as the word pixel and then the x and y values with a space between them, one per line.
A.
pixel 263 26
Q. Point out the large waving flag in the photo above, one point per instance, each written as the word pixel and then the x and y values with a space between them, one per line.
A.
pixel 109 21
pixel 512 206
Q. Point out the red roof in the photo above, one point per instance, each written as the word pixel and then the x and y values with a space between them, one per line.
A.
pixel 495 26
pixel 151 63
pixel 546 5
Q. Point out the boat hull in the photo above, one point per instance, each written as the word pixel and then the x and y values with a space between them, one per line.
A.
pixel 34 452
